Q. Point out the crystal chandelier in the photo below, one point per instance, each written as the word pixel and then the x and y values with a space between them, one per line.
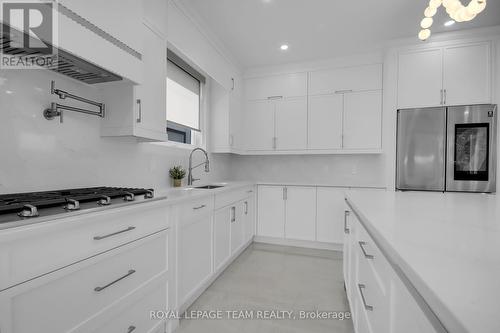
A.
pixel 457 11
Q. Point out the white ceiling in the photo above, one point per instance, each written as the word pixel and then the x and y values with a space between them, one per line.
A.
pixel 253 30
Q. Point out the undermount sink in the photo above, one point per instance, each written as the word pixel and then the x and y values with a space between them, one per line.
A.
pixel 208 187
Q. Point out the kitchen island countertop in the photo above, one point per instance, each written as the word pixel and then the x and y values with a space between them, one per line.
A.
pixel 447 244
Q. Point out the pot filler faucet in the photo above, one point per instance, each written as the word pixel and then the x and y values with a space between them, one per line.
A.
pixel 191 167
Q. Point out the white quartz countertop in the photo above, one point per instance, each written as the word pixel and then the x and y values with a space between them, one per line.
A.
pixel 178 195
pixel 448 245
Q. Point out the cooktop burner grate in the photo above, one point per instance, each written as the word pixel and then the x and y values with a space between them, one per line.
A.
pixel 10 203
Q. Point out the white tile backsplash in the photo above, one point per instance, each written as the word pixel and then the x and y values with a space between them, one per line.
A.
pixel 337 170
pixel 37 154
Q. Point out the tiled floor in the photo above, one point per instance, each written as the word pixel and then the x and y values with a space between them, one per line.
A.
pixel 267 277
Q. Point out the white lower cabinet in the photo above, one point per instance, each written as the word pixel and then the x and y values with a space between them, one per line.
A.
pixel 271 211
pixel 379 300
pixel 134 315
pixel 194 255
pixel 300 212
pixel 211 232
pixel 249 217
pixel 330 207
pixel 237 226
pixel 72 298
pixel 222 237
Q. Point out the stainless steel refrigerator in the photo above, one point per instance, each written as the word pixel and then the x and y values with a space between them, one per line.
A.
pixel 447 149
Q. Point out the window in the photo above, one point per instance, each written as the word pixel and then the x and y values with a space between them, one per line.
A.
pixel 184 86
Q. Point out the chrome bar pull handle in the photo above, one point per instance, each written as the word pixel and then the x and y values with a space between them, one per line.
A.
pixel 361 288
pixel 246 207
pixel 114 233
pixel 130 272
pixel 139 105
pixel 444 97
pixel 233 214
pixel 274 97
pixel 346 91
pixel 367 256
pixel 346 229
pixel 199 207
pixel 131 328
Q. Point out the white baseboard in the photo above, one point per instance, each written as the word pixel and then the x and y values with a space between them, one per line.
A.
pixel 299 243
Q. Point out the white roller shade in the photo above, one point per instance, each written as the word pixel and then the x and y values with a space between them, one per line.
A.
pixel 183 97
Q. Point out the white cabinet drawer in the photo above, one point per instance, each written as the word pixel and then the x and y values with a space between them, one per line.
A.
pixel 31 251
pixel 358 78
pixel 373 299
pixel 288 85
pixel 371 256
pixel 61 301
pixel 135 318
pixel 195 209
pixel 228 198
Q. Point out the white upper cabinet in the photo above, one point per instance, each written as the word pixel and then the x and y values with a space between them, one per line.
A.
pixel 225 115
pixel 452 75
pixel 291 124
pixel 309 112
pixel 325 121
pixel 259 125
pixel 140 111
pixel 122 19
pixel 219 118
pixel 288 85
pixel 363 120
pixel 420 81
pixel 358 78
pixel 466 76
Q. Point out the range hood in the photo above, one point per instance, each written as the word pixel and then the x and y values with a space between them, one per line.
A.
pixel 66 63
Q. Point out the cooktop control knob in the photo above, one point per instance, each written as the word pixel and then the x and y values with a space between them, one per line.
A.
pixel 129 196
pixel 149 194
pixel 72 204
pixel 28 211
pixel 104 201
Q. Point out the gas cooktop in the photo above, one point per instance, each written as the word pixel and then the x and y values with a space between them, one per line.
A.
pixel 23 206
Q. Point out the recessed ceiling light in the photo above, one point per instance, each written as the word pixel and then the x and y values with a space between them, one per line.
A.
pixel 284 47
pixel 449 23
